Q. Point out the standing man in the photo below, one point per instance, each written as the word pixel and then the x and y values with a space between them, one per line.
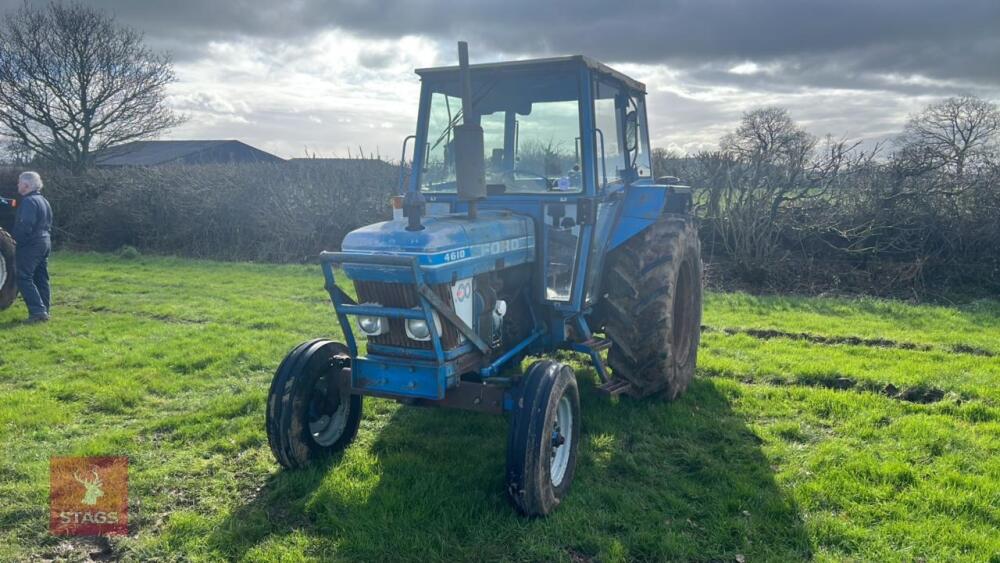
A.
pixel 31 232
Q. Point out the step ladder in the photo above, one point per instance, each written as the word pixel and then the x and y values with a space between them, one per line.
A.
pixel 593 348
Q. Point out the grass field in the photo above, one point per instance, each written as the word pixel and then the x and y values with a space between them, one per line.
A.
pixel 818 428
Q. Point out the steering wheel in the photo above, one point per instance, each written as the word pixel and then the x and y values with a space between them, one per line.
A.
pixel 544 178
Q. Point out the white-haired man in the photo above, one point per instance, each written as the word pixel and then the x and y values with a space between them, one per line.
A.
pixel 32 229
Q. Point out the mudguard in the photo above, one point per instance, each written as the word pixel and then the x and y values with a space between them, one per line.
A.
pixel 642 206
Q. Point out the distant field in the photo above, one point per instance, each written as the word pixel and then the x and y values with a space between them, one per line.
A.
pixel 827 428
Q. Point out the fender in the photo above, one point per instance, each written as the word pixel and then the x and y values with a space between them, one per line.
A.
pixel 643 205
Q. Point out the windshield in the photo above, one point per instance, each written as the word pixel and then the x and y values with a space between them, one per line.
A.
pixel 531 131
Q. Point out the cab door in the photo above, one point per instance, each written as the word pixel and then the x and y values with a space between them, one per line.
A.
pixel 622 158
pixel 561 233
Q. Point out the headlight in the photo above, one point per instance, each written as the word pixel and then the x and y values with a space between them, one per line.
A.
pixel 417 328
pixel 373 326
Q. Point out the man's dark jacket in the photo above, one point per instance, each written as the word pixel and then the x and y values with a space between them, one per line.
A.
pixel 34 221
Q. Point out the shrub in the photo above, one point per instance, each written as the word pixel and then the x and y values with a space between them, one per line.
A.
pixel 284 212
pixel 129 253
pixel 783 211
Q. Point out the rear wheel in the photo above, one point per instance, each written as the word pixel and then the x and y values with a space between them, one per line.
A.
pixel 544 438
pixel 309 415
pixel 651 307
pixel 8 283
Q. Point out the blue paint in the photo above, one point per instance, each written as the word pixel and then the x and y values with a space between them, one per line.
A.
pixel 389 312
pixel 495 367
pixel 508 402
pixel 642 206
pixel 449 247
pixel 418 353
pixel 403 377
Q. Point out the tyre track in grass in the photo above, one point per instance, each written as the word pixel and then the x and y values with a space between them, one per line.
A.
pixel 972 411
pixel 919 393
pixel 768 334
pixel 157 317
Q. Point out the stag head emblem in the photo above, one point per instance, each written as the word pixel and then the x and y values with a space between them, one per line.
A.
pixel 92 486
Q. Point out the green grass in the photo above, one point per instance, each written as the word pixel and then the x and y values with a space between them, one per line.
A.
pixel 168 361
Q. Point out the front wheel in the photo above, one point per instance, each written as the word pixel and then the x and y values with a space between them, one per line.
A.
pixel 309 415
pixel 544 438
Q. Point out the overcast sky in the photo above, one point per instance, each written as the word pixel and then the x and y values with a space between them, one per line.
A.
pixel 326 76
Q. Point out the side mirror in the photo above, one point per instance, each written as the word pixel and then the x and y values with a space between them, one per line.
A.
pixel 631 131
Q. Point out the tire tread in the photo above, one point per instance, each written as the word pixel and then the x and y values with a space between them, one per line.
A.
pixel 637 307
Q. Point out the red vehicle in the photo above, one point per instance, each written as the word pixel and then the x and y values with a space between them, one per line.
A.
pixel 8 285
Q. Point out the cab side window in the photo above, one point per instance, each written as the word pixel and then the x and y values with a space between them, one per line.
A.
pixel 608 135
pixel 643 164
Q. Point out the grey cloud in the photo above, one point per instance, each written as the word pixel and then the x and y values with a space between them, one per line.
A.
pixel 376 59
pixel 941 39
pixel 850 67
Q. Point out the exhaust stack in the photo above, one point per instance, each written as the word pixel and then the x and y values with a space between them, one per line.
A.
pixel 470 162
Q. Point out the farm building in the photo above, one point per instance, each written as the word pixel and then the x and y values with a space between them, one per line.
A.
pixel 155 153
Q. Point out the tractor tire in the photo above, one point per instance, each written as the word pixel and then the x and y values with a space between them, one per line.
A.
pixel 651 308
pixel 308 417
pixel 543 439
pixel 8 277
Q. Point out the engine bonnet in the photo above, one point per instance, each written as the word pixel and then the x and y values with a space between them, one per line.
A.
pixel 449 247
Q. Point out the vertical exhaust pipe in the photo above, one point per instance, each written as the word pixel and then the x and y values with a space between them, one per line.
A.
pixel 470 162
pixel 466 78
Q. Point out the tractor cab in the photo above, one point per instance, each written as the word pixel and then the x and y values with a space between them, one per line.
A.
pixel 560 137
pixel 564 127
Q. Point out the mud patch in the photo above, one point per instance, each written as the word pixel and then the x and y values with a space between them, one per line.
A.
pixel 158 317
pixel 84 548
pixel 922 395
pixel 972 350
pixel 767 334
pixel 918 394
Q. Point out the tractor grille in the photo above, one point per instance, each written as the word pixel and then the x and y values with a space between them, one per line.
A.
pixel 404 296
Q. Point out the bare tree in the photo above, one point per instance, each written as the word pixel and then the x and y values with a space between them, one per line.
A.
pixel 763 168
pixel 14 152
pixel 662 160
pixel 73 82
pixel 951 135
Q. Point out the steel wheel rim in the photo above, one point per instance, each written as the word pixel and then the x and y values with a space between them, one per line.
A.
pixel 562 440
pixel 3 271
pixel 327 415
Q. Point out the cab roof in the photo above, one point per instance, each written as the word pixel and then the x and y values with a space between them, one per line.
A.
pixel 550 63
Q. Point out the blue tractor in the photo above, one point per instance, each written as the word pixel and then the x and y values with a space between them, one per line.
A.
pixel 530 223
